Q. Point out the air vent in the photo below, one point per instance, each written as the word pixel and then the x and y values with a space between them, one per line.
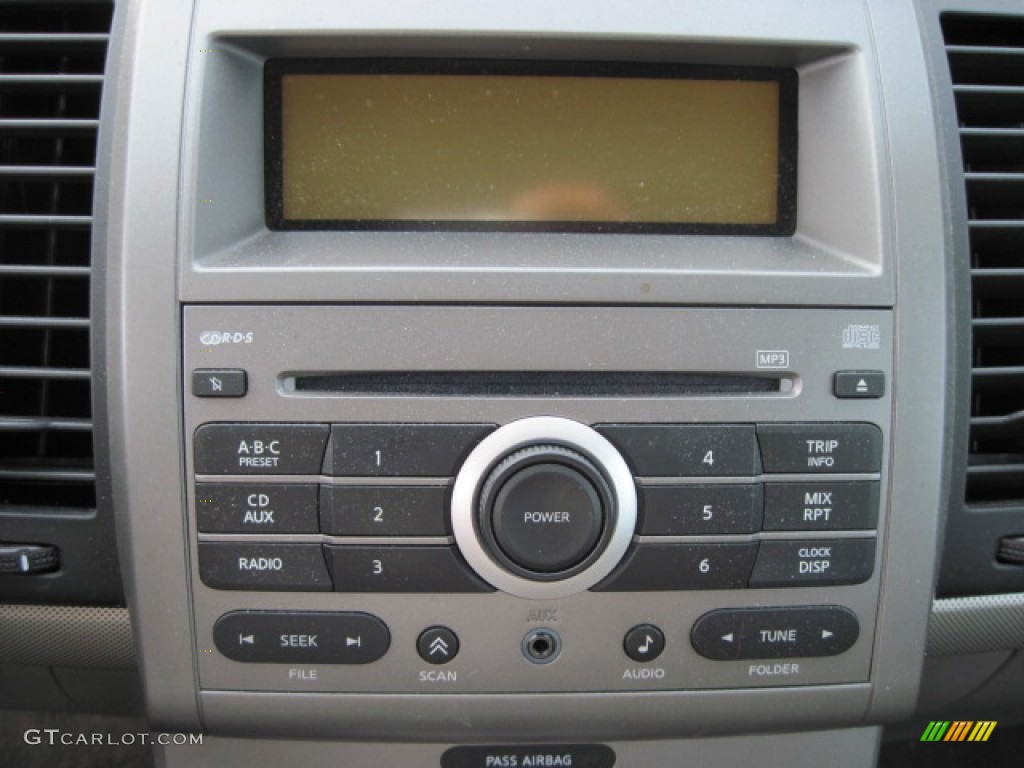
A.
pixel 51 74
pixel 986 61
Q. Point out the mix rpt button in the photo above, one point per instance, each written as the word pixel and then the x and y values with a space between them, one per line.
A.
pixel 813 562
pixel 823 506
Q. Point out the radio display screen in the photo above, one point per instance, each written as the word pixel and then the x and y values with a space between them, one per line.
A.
pixel 460 145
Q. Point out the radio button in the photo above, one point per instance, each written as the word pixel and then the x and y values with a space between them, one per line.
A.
pixel 256 508
pixel 398 510
pixel 400 569
pixel 682 510
pixel 260 449
pixel 774 633
pixel 397 450
pixel 675 450
pixel 666 567
pixel 267 567
pixel 294 637
pixel 820 506
pixel 800 448
pixel 814 562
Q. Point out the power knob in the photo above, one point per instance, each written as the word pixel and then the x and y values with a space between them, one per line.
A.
pixel 544 507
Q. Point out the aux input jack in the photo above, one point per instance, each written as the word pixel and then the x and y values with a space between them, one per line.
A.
pixel 541 646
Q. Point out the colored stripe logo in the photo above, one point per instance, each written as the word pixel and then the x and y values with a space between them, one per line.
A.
pixel 958 730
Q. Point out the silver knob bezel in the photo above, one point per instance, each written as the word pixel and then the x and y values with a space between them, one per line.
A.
pixel 521 434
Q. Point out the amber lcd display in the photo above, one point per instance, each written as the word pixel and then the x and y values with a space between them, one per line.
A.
pixel 471 150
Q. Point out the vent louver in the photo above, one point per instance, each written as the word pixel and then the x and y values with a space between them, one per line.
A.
pixel 51 74
pixel 986 61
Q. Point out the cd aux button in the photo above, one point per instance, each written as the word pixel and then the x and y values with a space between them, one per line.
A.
pixel 258 508
pixel 686 450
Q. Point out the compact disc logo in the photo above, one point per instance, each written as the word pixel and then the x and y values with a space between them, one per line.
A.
pixel 213 338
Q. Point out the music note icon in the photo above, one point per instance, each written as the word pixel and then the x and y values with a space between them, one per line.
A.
pixel 648 641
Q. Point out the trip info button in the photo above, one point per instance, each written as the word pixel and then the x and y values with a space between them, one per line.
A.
pixel 540 756
pixel 800 448
pixel 260 449
pixel 813 562
pixel 295 637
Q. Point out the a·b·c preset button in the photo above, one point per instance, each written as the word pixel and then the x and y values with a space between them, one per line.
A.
pixel 260 449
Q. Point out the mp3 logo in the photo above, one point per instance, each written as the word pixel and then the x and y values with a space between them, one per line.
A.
pixel 213 338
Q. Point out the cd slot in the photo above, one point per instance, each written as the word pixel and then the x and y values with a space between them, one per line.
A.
pixel 532 384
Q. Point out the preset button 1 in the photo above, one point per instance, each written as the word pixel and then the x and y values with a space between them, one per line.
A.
pixel 397 450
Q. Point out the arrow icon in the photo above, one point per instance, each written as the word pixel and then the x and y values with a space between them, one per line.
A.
pixel 246 640
pixel 825 634
pixel 862 386
pixel 439 646
pixel 728 638
pixel 356 641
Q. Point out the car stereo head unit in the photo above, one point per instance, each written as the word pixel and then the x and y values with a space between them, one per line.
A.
pixel 532 365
